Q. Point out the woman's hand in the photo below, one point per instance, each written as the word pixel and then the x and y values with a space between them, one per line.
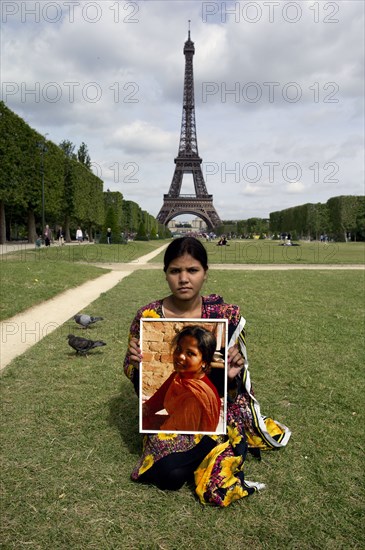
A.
pixel 135 352
pixel 235 361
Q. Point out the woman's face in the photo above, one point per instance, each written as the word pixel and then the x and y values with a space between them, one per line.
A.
pixel 185 277
pixel 188 359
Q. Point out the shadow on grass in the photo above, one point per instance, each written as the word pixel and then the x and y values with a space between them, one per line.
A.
pixel 84 354
pixel 123 415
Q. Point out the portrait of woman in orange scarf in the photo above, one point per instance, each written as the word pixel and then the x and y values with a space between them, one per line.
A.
pixel 189 397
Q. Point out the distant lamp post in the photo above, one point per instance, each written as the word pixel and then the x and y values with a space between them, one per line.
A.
pixel 43 148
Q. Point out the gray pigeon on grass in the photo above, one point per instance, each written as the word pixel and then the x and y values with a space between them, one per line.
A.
pixel 85 320
pixel 83 345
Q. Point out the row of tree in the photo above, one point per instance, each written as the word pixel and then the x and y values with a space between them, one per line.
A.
pixel 245 228
pixel 127 218
pixel 340 218
pixel 41 182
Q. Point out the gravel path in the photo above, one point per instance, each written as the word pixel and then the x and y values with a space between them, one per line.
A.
pixel 22 331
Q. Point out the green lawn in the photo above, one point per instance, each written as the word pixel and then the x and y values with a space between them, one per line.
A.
pixel 272 252
pixel 30 276
pixel 70 430
pixel 86 253
pixel 25 284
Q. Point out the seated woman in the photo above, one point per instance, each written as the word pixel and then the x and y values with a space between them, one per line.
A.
pixel 189 397
pixel 216 462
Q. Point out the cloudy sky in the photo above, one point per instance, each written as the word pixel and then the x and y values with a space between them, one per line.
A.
pixel 278 93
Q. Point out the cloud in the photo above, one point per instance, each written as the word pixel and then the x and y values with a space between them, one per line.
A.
pixel 295 187
pixel 271 94
pixel 140 137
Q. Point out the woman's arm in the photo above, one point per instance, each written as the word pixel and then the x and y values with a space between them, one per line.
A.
pixel 236 355
pixel 133 355
pixel 155 402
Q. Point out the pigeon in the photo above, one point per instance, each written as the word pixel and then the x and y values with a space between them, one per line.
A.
pixel 83 345
pixel 85 320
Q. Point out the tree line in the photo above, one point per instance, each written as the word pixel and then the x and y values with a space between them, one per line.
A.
pixel 245 228
pixel 38 177
pixel 340 218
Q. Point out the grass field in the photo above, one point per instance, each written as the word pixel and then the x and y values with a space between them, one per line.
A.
pixel 28 277
pixel 87 253
pixel 24 284
pixel 69 427
pixel 272 252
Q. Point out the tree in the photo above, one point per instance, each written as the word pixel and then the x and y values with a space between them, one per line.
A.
pixel 68 204
pixel 345 212
pixel 83 155
pixel 88 198
pixel 73 195
pixel 141 233
pixel 29 164
pixel 12 129
pixel 342 217
pixel 132 216
pixel 114 216
pixel 68 148
pixel 163 231
pixel 360 220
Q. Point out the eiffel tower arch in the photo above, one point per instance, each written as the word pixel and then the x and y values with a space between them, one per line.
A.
pixel 188 161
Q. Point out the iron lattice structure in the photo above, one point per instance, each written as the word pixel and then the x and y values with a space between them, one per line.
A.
pixel 188 161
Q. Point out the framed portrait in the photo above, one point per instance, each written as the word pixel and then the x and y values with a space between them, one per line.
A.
pixel 183 376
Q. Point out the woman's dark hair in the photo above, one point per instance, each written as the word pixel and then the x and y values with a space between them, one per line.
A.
pixel 185 245
pixel 206 341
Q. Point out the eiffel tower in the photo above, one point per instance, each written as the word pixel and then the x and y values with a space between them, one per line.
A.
pixel 188 161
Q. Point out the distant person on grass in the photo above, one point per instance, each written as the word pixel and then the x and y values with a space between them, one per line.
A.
pixel 60 236
pixel 214 462
pixel 47 236
pixel 79 235
pixel 222 241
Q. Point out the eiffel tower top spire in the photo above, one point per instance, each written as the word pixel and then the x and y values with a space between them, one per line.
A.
pixel 189 39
